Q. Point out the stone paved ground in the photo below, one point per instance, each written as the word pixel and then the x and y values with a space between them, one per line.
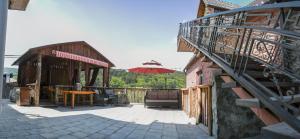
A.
pixel 135 122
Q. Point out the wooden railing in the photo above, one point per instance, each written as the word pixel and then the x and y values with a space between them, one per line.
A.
pixel 257 46
pixel 197 103
pixel 131 95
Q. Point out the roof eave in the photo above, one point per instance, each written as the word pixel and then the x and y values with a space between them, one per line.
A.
pixel 18 5
pixel 190 62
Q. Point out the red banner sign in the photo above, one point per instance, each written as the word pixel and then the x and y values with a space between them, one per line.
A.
pixel 79 58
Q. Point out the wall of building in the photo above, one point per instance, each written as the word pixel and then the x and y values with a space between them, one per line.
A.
pixel 193 73
pixel 229 120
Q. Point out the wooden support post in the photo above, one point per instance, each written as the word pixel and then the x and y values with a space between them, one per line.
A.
pixel 65 99
pixel 79 72
pixel 56 94
pixel 73 100
pixel 78 81
pixel 209 92
pixel 91 99
pixel 198 104
pixel 87 75
pixel 19 75
pixel 105 77
pixel 201 105
pixel 38 80
pixel 190 101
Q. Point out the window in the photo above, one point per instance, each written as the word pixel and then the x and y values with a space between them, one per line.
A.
pixel 201 77
pixel 201 80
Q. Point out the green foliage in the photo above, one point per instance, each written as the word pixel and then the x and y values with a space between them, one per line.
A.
pixel 117 82
pixel 122 78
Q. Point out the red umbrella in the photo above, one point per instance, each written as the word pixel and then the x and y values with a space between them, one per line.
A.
pixel 152 67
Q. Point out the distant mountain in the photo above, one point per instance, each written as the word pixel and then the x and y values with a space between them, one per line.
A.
pixel 11 70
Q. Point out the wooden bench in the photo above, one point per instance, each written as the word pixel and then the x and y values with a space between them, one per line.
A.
pixel 162 98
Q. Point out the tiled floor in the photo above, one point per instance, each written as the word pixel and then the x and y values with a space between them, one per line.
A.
pixel 132 122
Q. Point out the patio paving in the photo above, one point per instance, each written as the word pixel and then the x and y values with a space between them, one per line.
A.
pixel 132 122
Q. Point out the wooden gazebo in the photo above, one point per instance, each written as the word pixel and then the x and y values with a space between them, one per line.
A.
pixel 61 64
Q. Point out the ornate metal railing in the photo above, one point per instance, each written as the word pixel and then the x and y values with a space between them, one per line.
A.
pixel 253 41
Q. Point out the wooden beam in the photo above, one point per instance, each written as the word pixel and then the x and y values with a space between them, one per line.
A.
pixel 204 59
pixel 199 54
pixel 213 65
pixel 38 80
pixel 267 117
pixel 183 46
pixel 94 76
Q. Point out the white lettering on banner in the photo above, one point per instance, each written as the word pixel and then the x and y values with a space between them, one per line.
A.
pixel 79 58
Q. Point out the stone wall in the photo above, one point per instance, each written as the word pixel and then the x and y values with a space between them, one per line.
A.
pixel 229 120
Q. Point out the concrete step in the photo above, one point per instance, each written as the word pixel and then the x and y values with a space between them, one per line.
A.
pixel 280 131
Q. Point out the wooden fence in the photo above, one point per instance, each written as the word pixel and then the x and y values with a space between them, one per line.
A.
pixel 136 95
pixel 132 95
pixel 197 103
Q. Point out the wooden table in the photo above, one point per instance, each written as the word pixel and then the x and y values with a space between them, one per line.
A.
pixel 91 93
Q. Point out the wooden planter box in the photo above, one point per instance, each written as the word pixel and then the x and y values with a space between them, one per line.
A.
pixel 23 97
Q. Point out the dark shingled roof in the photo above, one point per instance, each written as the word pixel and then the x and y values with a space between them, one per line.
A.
pixel 221 4
pixel 33 51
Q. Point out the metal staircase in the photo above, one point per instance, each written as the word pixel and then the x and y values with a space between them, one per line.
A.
pixel 259 47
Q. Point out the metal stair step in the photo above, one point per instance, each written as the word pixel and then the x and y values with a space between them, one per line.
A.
pixel 254 102
pixel 280 131
pixel 281 84
pixel 256 137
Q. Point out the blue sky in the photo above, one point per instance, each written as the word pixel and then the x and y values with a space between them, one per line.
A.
pixel 128 32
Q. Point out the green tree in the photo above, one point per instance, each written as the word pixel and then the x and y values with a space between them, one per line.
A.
pixel 117 82
pixel 122 78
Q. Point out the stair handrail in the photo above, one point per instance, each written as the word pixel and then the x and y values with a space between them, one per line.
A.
pixel 267 34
